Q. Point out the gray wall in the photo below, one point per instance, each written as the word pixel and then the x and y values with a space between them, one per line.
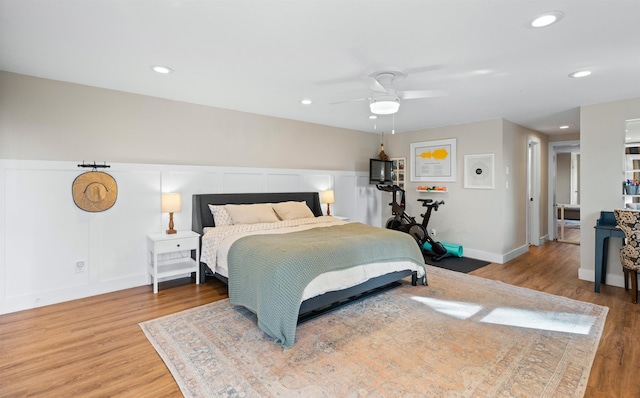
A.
pixel 470 216
pixel 51 120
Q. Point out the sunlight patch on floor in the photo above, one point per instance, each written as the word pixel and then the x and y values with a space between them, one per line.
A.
pixel 554 321
pixel 455 309
pixel 540 320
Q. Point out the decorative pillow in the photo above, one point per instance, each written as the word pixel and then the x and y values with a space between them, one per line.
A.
pixel 221 216
pixel 251 214
pixel 292 210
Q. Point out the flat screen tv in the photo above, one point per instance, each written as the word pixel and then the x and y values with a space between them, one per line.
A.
pixel 380 172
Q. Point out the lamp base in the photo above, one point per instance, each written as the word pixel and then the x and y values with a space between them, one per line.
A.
pixel 328 209
pixel 171 230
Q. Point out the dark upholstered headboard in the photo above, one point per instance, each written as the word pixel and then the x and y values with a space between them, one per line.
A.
pixel 202 217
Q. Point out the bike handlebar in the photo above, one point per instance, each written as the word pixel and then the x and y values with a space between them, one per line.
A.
pixel 431 203
pixel 389 188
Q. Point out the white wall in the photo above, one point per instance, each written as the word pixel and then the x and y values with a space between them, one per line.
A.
pixel 602 134
pixel 44 234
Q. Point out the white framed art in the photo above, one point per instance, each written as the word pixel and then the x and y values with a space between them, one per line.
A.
pixel 479 171
pixel 434 161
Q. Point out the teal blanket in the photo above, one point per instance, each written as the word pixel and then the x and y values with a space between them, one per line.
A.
pixel 268 273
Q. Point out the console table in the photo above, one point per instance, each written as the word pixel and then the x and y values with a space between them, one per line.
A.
pixel 605 229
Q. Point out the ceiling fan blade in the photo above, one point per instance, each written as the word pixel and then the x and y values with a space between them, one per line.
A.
pixel 415 94
pixel 352 100
pixel 422 69
pixel 374 84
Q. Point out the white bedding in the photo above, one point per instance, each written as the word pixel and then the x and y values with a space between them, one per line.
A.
pixel 217 241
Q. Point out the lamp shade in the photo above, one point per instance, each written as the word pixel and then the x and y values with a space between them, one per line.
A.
pixel 171 203
pixel 327 197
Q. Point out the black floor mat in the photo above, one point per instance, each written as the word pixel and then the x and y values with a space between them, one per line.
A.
pixel 458 264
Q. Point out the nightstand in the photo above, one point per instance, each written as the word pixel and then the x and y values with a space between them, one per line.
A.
pixel 163 243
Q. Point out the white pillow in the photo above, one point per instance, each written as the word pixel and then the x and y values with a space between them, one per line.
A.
pixel 292 210
pixel 221 216
pixel 251 214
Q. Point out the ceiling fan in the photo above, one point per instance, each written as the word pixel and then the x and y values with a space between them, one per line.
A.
pixel 386 100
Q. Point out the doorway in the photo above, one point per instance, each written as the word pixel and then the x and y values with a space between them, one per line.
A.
pixel 564 191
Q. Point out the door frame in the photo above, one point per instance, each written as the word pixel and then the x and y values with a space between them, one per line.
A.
pixel 553 151
pixel 533 191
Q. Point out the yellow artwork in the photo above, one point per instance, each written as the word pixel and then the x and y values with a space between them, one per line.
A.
pixel 434 161
pixel 438 154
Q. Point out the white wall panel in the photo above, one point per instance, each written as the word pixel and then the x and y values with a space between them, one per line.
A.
pixel 242 182
pixel 45 235
pixel 280 182
pixel 118 235
pixel 368 201
pixel 345 196
pixel 317 182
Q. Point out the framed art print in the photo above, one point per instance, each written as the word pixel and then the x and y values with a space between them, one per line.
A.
pixel 479 171
pixel 434 161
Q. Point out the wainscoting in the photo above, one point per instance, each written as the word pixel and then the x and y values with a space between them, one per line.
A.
pixel 44 234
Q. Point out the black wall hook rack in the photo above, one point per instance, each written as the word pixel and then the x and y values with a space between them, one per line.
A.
pixel 94 166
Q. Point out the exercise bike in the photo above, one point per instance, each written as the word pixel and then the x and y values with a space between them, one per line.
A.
pixel 403 222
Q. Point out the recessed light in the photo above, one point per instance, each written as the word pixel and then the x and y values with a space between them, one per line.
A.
pixel 306 101
pixel 564 127
pixel 164 70
pixel 546 18
pixel 373 117
pixel 580 73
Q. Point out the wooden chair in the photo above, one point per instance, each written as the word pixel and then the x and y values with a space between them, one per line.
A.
pixel 629 222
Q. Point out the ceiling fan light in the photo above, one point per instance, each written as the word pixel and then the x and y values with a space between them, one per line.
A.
pixel 384 106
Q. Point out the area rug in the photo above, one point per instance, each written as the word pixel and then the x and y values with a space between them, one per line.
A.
pixel 461 336
pixel 458 264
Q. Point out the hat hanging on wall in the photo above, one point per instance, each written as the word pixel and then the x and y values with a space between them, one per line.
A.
pixel 94 191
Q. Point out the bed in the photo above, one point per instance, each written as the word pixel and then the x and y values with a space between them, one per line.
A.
pixel 262 261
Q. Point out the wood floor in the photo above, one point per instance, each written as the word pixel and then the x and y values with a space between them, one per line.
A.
pixel 94 347
pixel 571 234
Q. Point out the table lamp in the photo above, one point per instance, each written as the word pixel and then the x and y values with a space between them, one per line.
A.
pixel 327 197
pixel 171 204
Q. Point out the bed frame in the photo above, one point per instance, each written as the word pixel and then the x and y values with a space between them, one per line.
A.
pixel 202 218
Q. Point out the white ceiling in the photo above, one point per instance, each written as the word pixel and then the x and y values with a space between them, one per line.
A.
pixel 265 56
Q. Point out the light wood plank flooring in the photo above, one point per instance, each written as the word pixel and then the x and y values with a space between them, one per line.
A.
pixel 94 347
pixel 571 234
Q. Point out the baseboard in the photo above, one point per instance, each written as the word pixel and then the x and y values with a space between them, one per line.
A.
pixel 496 258
pixel 612 279
pixel 42 299
pixel 482 255
pixel 515 253
pixel 544 239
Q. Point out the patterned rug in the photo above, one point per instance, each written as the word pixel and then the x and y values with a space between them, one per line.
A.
pixel 461 336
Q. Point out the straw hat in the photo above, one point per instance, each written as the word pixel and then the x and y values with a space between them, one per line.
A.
pixel 94 191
